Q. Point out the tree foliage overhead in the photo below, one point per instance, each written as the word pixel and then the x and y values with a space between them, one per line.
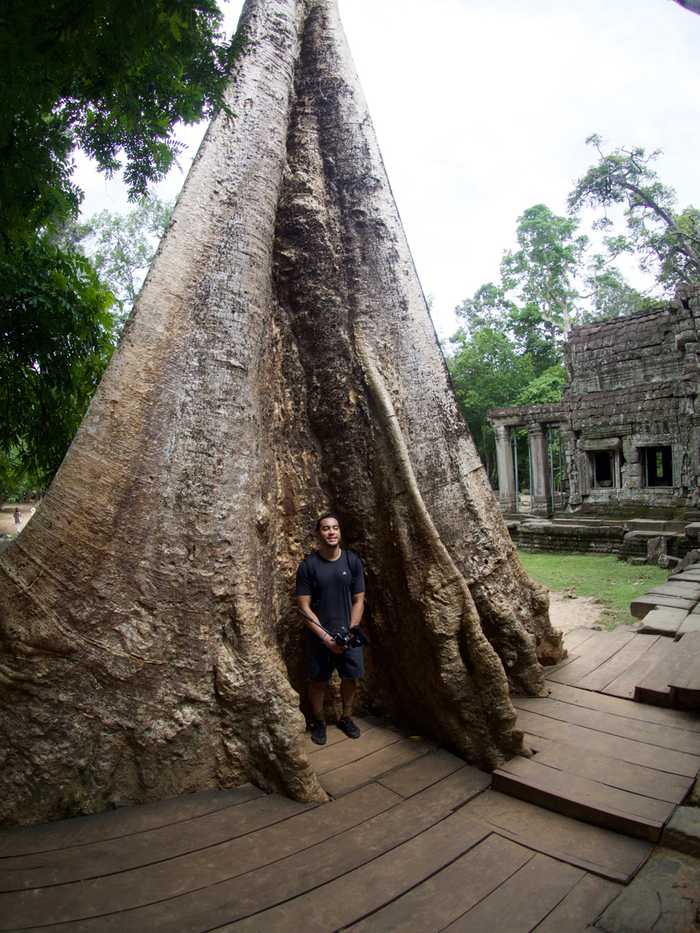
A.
pixel 111 77
pixel 55 341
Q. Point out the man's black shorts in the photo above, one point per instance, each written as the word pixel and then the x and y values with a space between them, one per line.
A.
pixel 321 662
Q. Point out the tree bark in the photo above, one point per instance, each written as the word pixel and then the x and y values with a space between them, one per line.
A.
pixel 280 360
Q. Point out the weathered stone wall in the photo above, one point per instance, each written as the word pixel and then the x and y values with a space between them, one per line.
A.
pixel 633 385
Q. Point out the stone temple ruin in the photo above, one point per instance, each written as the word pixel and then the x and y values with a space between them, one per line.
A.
pixel 621 451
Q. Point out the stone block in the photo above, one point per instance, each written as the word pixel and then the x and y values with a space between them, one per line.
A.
pixel 643 605
pixel 663 897
pixel 693 530
pixel 663 621
pixel 683 831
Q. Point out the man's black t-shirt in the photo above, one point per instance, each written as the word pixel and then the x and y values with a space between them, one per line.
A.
pixel 331 584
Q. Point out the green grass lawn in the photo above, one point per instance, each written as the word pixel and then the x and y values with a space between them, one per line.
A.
pixel 614 583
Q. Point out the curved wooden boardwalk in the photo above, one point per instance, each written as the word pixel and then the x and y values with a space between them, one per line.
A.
pixel 414 839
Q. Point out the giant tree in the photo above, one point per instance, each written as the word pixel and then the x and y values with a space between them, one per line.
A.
pixel 280 359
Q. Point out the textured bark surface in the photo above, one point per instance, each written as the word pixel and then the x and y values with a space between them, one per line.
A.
pixel 280 360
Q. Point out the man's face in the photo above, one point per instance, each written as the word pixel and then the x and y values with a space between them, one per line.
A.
pixel 329 532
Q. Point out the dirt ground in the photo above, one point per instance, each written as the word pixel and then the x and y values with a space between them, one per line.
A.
pixel 7 516
pixel 567 613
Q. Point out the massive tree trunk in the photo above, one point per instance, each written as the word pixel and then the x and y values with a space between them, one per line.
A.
pixel 280 360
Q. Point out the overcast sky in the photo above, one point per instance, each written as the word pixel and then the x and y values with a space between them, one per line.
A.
pixel 482 110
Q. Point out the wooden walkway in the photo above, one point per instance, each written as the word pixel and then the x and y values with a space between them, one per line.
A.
pixel 414 839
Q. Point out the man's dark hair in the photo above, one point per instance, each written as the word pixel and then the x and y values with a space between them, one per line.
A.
pixel 326 515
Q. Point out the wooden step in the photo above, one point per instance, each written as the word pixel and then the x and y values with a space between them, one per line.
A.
pixel 602 743
pixel 624 685
pixel 675 680
pixel 627 708
pixel 677 739
pixel 582 798
pixel 609 771
pixel 590 654
pixel 592 848
pixel 616 665
pixel 644 604
pixel 685 684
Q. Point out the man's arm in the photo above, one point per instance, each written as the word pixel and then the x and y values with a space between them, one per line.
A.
pixel 312 622
pixel 357 609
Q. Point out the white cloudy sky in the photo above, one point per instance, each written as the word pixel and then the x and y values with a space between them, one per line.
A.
pixel 482 110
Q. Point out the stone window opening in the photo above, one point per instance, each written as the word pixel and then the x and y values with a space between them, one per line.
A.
pixel 603 469
pixel 658 465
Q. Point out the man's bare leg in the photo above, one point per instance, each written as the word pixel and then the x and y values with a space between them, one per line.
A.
pixel 317 696
pixel 347 693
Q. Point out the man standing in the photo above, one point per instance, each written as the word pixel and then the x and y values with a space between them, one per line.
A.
pixel 331 595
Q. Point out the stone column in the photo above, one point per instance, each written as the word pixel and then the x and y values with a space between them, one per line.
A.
pixel 540 485
pixel 504 464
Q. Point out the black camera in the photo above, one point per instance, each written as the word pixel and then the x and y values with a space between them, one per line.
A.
pixel 353 639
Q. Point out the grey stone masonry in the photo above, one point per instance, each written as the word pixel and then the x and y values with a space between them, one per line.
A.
pixel 683 831
pixel 628 425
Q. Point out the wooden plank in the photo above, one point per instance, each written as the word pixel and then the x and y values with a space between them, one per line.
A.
pixel 601 743
pixel 366 889
pixel 611 771
pixel 103 858
pixel 640 606
pixel 686 589
pixel 423 772
pixel 674 719
pixel 581 907
pixel 371 767
pixel 523 900
pixel 451 892
pixel 125 821
pixel 588 847
pixel 651 733
pixel 655 687
pixel 605 646
pixel 576 637
pixel 687 677
pixel 624 685
pixel 168 877
pixel 692 576
pixel 582 798
pixel 291 872
pixel 663 622
pixel 618 663
pixel 342 753
pixel 691 623
pixel 333 736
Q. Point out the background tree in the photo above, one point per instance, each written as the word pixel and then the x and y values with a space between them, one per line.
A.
pixel 55 341
pixel 541 273
pixel 664 240
pixel 122 247
pixel 509 348
pixel 113 78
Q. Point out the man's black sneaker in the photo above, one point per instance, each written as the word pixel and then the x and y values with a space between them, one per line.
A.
pixel 318 732
pixel 346 725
